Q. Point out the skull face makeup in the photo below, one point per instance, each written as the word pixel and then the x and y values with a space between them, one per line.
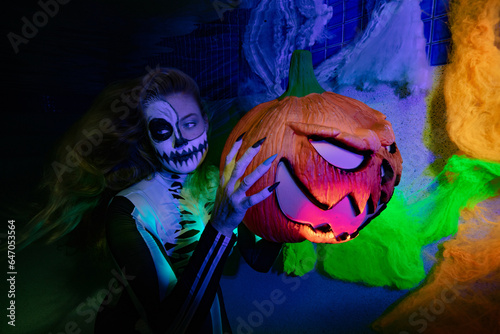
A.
pixel 177 131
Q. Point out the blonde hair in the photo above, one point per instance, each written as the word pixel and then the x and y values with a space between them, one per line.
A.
pixel 106 151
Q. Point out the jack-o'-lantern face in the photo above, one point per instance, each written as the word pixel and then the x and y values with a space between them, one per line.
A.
pixel 337 166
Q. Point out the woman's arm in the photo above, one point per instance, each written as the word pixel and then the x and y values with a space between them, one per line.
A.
pixel 186 306
pixel 187 299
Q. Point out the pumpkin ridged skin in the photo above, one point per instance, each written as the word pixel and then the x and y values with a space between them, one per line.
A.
pixel 288 122
pixel 270 120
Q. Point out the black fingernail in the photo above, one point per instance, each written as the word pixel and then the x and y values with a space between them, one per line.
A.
pixel 257 144
pixel 271 188
pixel 241 136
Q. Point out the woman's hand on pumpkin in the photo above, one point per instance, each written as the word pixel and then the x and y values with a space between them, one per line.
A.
pixel 231 202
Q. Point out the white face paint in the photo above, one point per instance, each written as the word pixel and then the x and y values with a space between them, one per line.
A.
pixel 178 132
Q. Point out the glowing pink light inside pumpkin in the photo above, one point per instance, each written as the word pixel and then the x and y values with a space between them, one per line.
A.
pixel 297 207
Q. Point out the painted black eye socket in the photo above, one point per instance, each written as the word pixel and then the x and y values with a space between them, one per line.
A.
pixel 160 129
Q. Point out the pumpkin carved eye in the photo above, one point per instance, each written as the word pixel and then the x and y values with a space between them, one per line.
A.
pixel 337 156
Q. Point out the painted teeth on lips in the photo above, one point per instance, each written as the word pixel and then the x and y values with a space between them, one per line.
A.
pixel 186 155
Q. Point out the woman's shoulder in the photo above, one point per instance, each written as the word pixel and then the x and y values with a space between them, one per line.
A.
pixel 146 185
pixel 141 198
pixel 146 193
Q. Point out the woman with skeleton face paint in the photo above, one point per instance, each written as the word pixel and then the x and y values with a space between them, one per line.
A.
pixel 129 180
pixel 173 230
pixel 178 135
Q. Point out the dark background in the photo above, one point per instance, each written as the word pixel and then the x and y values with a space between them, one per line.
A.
pixel 54 77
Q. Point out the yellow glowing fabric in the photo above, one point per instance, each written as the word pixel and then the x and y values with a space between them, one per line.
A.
pixel 462 293
pixel 472 79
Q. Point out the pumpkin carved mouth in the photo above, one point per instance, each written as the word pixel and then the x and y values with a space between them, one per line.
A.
pixel 342 222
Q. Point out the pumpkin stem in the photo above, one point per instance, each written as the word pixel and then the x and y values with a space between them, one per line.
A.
pixel 301 78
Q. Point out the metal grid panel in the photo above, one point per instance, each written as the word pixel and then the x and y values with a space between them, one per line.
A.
pixel 350 17
pixel 210 54
pixel 437 34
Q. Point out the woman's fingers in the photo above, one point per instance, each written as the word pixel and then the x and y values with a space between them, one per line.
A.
pixel 242 164
pixel 230 160
pixel 256 174
pixel 236 146
pixel 258 197
pixel 231 205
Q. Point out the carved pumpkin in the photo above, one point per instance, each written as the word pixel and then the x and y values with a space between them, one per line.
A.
pixel 337 161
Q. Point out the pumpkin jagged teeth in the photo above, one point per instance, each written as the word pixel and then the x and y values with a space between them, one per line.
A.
pixel 343 236
pixel 299 209
pixel 325 228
